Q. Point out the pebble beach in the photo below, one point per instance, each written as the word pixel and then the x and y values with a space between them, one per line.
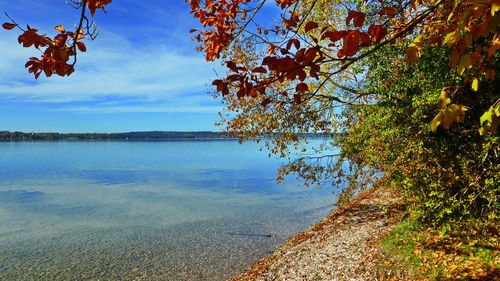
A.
pixel 343 246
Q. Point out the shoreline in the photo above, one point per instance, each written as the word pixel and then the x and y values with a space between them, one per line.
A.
pixel 342 246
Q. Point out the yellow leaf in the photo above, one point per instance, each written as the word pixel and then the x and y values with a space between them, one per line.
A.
pixel 464 64
pixel 490 119
pixel 450 15
pixel 413 51
pixel 60 28
pixel 444 100
pixel 452 38
pixel 475 85
pixel 447 119
pixel 435 122
pixel 453 113
pixel 495 7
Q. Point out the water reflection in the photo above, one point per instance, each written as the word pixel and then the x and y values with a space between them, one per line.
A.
pixel 119 210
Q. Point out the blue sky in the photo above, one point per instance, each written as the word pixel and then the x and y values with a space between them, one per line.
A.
pixel 142 73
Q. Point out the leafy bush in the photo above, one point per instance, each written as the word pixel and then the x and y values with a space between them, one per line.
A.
pixel 447 175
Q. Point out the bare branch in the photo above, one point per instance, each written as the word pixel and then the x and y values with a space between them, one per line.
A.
pixel 78 30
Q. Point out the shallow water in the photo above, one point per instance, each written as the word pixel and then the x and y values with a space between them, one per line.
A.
pixel 176 210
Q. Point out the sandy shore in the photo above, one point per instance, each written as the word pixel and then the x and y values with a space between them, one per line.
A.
pixel 342 246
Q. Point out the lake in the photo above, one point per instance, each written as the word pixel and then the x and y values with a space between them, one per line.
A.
pixel 165 210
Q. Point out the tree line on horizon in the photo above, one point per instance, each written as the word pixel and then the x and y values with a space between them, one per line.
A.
pixel 147 135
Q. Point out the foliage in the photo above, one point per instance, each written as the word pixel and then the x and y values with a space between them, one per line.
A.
pixel 305 54
pixel 408 90
pixel 427 254
pixel 450 174
pixel 57 51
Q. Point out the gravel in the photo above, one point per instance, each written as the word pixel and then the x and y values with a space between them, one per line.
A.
pixel 343 246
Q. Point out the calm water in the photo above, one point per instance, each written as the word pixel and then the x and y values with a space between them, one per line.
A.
pixel 176 210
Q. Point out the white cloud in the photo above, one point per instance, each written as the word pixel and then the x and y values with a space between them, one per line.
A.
pixel 142 109
pixel 113 67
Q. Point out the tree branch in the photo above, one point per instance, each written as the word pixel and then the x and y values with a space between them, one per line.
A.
pixel 78 30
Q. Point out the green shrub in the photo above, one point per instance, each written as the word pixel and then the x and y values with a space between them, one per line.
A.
pixel 447 175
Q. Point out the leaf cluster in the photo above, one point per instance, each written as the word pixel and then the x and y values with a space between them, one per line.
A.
pixel 451 174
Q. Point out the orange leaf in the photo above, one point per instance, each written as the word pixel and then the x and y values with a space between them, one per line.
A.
pixel 295 43
pixel 389 11
pixel 30 38
pixel 351 43
pixel 490 74
pixel 284 3
pixel 366 41
pixel 9 25
pixel 260 69
pixel 454 58
pixel 377 32
pixel 292 22
pixel 310 25
pixel 302 75
pixel 302 87
pixel 271 49
pixel 241 93
pixel 358 18
pixel 310 55
pixel 60 40
pixel 93 5
pixel 253 93
pixel 217 82
pixel 335 35
pixel 340 53
pixel 297 98
pixel 265 102
pixel 81 46
pixel 233 77
pixel 270 62
pixel 231 65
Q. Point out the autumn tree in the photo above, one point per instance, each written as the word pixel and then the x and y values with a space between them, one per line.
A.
pixel 406 87
pixel 59 54
pixel 315 73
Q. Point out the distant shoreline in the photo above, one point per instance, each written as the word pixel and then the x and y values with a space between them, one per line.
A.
pixel 6 136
